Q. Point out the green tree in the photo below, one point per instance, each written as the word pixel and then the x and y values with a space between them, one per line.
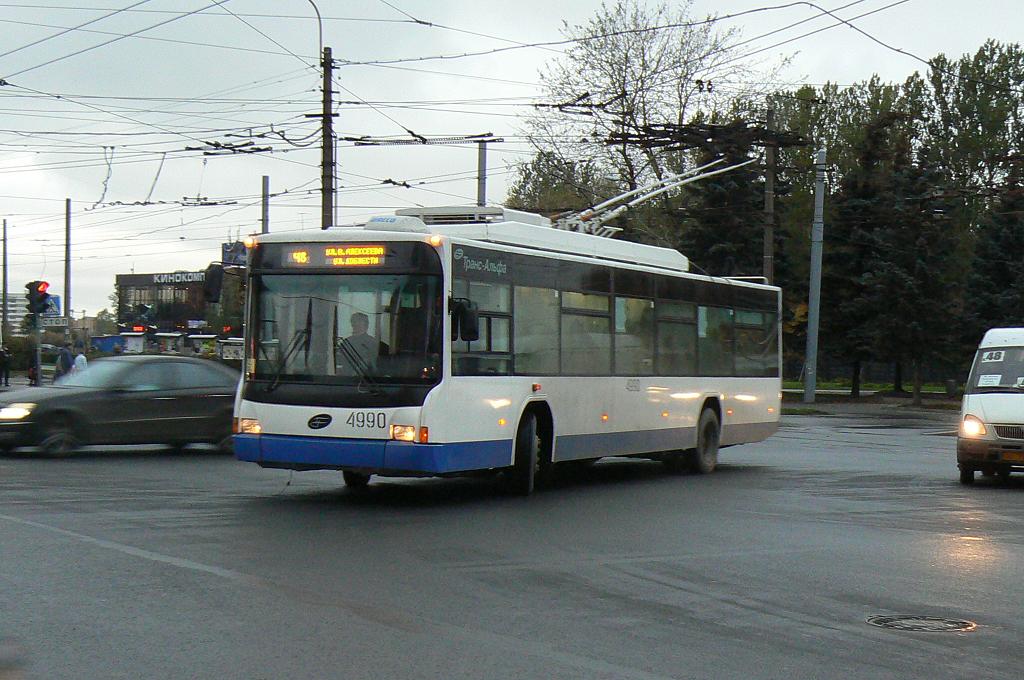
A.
pixel 724 230
pixel 106 322
pixel 995 285
pixel 549 185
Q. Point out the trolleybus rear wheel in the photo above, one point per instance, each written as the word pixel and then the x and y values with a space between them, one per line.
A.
pixel 524 470
pixel 704 458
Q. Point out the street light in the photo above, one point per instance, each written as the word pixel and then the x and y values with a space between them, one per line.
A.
pixel 320 23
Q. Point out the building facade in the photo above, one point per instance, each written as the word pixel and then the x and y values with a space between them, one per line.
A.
pixel 166 302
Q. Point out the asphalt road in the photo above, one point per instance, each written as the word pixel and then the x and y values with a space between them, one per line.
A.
pixel 154 565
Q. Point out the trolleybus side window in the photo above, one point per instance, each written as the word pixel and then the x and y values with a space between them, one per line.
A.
pixel 536 330
pixel 715 341
pixel 634 336
pixel 490 354
pixel 677 337
pixel 757 352
pixel 586 345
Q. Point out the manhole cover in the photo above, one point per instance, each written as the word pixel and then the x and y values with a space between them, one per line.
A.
pixel 923 624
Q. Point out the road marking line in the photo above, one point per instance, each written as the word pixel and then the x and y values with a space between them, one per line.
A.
pixel 131 550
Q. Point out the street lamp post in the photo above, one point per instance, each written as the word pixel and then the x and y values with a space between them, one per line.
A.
pixel 327 160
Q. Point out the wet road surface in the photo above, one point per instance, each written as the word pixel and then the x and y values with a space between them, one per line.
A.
pixel 149 564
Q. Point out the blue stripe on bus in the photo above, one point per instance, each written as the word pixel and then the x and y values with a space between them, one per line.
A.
pixel 247 447
pixel 372 454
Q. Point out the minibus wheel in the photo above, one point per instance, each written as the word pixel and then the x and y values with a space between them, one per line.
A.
pixel 966 474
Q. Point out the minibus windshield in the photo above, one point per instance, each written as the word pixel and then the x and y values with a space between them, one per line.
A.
pixel 997 370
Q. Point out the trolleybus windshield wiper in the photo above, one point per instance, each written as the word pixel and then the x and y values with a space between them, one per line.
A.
pixel 306 334
pixel 359 365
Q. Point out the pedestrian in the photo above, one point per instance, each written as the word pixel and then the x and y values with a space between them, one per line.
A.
pixel 5 366
pixel 81 363
pixel 65 362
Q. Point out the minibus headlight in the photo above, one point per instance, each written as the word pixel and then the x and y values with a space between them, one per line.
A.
pixel 247 426
pixel 972 427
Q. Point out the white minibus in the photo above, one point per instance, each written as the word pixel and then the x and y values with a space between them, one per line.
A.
pixel 991 434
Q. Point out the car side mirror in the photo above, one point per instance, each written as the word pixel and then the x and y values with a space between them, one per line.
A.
pixel 466 316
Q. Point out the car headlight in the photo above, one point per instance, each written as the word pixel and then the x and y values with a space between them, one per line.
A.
pixel 972 427
pixel 247 426
pixel 17 411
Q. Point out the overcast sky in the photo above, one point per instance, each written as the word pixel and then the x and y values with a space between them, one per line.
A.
pixel 127 111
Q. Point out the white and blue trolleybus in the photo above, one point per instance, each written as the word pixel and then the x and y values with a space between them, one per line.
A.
pixel 444 341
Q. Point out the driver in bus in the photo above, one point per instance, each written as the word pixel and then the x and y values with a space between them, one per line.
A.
pixel 366 347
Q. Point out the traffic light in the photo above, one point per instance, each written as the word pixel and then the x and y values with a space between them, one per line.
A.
pixel 38 298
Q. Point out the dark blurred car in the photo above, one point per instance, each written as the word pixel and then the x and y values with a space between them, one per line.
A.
pixel 124 400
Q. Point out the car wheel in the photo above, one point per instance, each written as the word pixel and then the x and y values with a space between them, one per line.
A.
pixel 704 458
pixel 59 437
pixel 355 480
pixel 966 475
pixel 227 445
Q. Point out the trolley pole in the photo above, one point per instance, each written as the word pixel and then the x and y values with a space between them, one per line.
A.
pixel 814 298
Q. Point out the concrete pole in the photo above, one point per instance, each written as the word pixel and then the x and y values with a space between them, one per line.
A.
pixel 4 332
pixel 769 199
pixel 67 268
pixel 265 220
pixel 814 297
pixel 327 156
pixel 481 174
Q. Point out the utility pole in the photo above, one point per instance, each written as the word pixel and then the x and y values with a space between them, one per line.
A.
pixel 327 157
pixel 265 220
pixel 814 298
pixel 769 198
pixel 67 269
pixel 4 331
pixel 481 173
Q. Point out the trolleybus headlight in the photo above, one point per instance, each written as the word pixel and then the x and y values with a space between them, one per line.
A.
pixel 403 433
pixel 972 427
pixel 16 411
pixel 247 426
pixel 409 433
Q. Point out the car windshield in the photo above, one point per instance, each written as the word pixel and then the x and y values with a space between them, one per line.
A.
pixel 98 374
pixel 997 370
pixel 358 329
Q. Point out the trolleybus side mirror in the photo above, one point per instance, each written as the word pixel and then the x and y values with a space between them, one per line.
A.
pixel 467 317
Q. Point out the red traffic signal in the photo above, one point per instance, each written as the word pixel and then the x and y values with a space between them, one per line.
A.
pixel 38 298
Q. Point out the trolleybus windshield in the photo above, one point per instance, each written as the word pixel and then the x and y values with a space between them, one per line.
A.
pixel 365 329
